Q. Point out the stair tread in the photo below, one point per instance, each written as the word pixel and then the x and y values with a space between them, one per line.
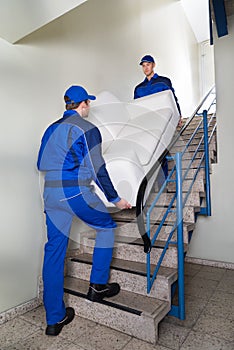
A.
pixel 129 266
pixel 123 217
pixel 129 215
pixel 131 232
pixel 129 301
pixel 166 198
pixel 159 244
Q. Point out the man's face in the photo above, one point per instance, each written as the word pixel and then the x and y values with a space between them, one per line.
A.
pixel 148 68
pixel 85 109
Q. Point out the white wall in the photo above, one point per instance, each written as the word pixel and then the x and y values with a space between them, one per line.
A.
pixel 213 238
pixel 97 45
pixel 207 77
pixel 19 18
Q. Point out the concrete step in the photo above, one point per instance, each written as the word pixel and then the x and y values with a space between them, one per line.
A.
pixel 128 227
pixel 166 198
pixel 196 120
pixel 190 174
pixel 190 154
pixel 130 232
pixel 158 213
pixel 155 217
pixel 189 131
pixel 193 146
pixel 194 142
pixel 127 312
pixel 198 186
pixel 179 148
pixel 131 275
pixel 185 163
pixel 135 251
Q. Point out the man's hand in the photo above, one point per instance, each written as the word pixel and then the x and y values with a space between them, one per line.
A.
pixel 123 204
pixel 180 123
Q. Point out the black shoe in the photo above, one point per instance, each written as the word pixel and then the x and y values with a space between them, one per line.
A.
pixel 97 292
pixel 56 328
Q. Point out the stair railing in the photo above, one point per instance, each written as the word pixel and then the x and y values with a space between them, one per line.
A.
pixel 179 203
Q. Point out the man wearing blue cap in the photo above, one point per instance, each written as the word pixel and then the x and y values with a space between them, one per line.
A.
pixel 152 84
pixel 71 157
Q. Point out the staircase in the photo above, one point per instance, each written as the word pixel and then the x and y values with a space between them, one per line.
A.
pixel 134 311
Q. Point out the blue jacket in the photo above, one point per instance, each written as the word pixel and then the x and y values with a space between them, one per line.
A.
pixel 71 155
pixel 156 84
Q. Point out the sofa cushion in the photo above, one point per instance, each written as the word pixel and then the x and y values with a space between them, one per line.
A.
pixel 147 122
pixel 142 144
pixel 134 136
pixel 109 113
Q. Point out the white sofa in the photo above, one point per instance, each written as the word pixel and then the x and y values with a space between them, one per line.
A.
pixel 134 135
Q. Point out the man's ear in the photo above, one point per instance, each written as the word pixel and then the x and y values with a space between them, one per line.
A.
pixel 82 104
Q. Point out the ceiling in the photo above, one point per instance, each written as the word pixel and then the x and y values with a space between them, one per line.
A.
pixel 197 13
pixel 19 18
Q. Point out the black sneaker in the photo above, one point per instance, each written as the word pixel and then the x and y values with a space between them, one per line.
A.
pixel 56 328
pixel 97 292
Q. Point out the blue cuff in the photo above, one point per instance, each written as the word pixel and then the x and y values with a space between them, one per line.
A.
pixel 115 200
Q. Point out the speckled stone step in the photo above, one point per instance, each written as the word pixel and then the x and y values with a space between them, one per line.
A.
pixel 130 229
pixel 127 312
pixel 131 233
pixel 190 174
pixel 131 275
pixel 128 215
pixel 189 131
pixel 179 148
pixel 198 186
pixel 135 252
pixel 195 142
pixel 197 119
pixel 186 162
pixel 188 154
pixel 181 144
pixel 157 215
pixel 200 133
pixel 166 198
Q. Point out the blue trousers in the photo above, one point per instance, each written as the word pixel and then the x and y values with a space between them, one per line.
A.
pixel 61 205
pixel 163 173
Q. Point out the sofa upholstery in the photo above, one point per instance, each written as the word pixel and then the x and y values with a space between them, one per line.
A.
pixel 134 135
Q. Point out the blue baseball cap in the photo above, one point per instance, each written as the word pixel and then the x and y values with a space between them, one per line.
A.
pixel 77 94
pixel 147 58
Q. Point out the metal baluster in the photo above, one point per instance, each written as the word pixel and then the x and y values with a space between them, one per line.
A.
pixel 207 165
pixel 180 238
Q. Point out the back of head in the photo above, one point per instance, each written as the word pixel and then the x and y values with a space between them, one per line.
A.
pixel 76 94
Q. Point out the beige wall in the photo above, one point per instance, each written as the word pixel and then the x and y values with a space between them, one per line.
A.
pixel 214 238
pixel 98 45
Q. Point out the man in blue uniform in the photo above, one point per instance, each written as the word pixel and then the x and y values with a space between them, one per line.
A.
pixel 153 82
pixel 71 157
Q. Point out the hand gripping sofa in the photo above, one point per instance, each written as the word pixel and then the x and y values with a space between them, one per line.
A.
pixel 134 135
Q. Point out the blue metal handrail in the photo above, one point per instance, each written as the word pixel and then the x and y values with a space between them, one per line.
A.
pixel 179 311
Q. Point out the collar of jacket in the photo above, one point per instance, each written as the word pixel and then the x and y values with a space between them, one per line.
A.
pixel 69 113
pixel 153 77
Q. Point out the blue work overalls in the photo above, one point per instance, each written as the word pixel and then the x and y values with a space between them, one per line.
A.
pixel 70 155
